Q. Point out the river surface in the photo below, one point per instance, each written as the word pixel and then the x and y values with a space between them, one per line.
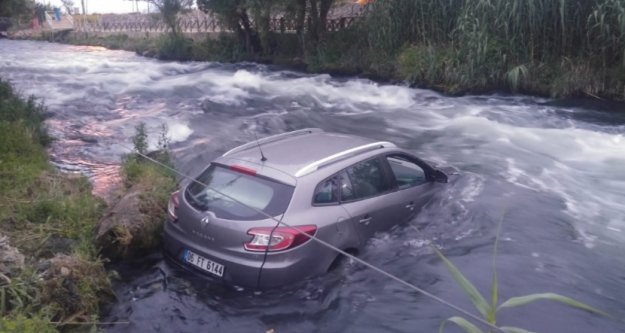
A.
pixel 555 171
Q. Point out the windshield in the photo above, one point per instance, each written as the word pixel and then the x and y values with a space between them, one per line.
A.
pixel 250 193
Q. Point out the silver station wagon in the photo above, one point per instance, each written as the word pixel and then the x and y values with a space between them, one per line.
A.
pixel 340 188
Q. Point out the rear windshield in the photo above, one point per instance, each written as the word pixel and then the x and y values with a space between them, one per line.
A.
pixel 251 194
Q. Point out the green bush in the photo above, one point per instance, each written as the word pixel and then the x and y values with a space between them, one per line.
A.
pixel 174 47
pixel 24 324
pixel 420 64
pixel 224 47
pixel 28 112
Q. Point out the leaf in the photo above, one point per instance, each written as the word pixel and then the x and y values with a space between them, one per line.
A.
pixel 509 329
pixel 476 298
pixel 522 300
pixel 465 324
pixel 494 289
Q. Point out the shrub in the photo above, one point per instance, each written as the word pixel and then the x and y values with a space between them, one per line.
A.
pixel 24 324
pixel 174 47
pixel 28 112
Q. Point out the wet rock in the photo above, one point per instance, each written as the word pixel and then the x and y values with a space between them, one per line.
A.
pixel 84 138
pixel 149 53
pixel 11 260
pixel 209 106
pixel 127 230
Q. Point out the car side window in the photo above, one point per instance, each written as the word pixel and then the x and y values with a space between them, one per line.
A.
pixel 367 179
pixel 347 192
pixel 406 172
pixel 327 192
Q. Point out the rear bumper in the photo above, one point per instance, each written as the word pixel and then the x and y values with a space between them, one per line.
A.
pixel 279 269
pixel 237 271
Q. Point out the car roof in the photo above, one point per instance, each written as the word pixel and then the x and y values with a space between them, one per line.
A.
pixel 300 152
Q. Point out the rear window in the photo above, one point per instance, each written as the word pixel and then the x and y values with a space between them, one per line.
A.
pixel 251 193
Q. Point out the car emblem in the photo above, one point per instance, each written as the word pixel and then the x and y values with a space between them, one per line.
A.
pixel 206 220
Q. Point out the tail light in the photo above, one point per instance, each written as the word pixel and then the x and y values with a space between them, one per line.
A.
pixel 172 206
pixel 243 169
pixel 283 238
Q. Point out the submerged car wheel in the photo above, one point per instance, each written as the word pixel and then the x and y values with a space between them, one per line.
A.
pixel 341 261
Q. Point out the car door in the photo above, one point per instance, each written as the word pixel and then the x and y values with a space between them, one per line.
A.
pixel 368 194
pixel 412 182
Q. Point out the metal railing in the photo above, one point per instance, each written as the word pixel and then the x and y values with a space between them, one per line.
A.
pixel 197 22
pixel 201 24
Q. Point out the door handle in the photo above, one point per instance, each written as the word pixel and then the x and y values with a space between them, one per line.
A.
pixel 410 205
pixel 365 220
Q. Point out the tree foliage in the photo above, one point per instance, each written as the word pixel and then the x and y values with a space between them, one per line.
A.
pixel 235 15
pixel 17 9
pixel 170 9
pixel 68 5
pixel 251 20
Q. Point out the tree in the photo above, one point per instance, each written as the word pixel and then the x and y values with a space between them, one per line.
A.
pixel 234 15
pixel 69 6
pixel 16 8
pixel 250 19
pixel 169 10
pixel 16 13
pixel 318 18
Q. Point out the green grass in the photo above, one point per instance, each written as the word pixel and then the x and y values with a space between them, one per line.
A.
pixel 27 324
pixel 50 217
pixel 147 187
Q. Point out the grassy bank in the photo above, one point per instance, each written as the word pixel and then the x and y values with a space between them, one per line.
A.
pixel 52 273
pixel 49 217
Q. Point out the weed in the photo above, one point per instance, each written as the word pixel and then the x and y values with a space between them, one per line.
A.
pixel 135 223
pixel 140 139
pixel 24 324
pixel 489 311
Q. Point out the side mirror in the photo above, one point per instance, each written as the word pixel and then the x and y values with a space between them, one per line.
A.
pixel 440 176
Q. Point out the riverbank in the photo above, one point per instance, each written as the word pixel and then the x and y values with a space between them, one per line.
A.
pixel 430 67
pixel 52 272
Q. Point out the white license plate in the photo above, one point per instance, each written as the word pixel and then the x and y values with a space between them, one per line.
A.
pixel 203 263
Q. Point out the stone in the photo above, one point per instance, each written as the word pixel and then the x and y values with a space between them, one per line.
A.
pixel 11 260
pixel 65 271
pixel 127 230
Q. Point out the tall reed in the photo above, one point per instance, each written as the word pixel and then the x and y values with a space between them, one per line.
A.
pixel 491 38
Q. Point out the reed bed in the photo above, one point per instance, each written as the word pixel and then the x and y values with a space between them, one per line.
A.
pixel 504 42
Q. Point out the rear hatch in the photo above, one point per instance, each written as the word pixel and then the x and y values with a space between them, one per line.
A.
pixel 222 204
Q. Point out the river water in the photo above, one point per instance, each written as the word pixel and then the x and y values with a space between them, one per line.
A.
pixel 555 171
